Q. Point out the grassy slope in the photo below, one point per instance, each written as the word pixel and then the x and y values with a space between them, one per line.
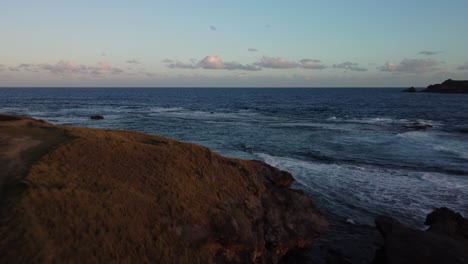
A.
pixel 103 196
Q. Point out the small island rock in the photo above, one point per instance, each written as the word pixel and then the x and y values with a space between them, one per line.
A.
pixel 418 126
pixel 96 117
pixel 410 90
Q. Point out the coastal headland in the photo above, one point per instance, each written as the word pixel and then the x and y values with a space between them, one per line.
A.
pixel 97 196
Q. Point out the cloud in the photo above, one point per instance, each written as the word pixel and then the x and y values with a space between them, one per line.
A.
pixel 312 64
pixel 2 67
pixel 411 66
pixel 103 54
pixel 216 63
pixel 350 66
pixel 213 28
pixel 238 66
pixel 252 50
pixel 428 52
pixel 117 71
pixel 64 67
pixel 276 63
pixel 133 61
pixel 180 65
pixel 212 63
pixel 463 67
pixel 310 60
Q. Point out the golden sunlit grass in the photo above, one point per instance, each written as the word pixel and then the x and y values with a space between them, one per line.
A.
pixel 79 195
pixel 104 196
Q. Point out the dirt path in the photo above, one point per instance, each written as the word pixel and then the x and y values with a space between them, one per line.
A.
pixel 22 141
pixel 11 159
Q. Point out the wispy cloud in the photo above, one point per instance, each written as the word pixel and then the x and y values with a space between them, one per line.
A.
pixel 276 63
pixel 212 62
pixel 238 66
pixel 2 67
pixel 312 64
pixel 350 66
pixel 252 50
pixel 215 62
pixel 181 65
pixel 463 67
pixel 133 61
pixel 429 52
pixel 64 67
pixel 213 28
pixel 411 66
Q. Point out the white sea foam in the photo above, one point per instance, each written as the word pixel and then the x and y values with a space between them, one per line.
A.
pixel 167 109
pixel 202 115
pixel 415 135
pixel 384 121
pixel 452 150
pixel 360 192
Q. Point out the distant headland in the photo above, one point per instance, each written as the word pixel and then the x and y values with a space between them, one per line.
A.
pixel 449 86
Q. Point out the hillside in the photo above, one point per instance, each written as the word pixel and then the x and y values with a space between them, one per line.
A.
pixel 448 86
pixel 80 195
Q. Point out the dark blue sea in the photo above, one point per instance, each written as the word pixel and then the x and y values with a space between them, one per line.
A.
pixel 348 148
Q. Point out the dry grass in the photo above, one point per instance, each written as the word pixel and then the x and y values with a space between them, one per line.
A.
pixel 94 196
pixel 112 196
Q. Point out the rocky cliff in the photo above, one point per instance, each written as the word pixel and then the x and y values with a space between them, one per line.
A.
pixel 79 195
pixel 445 241
pixel 449 86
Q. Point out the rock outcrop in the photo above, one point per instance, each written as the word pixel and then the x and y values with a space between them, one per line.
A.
pixel 449 86
pixel 418 126
pixel 96 117
pixel 410 90
pixel 446 241
pixel 73 195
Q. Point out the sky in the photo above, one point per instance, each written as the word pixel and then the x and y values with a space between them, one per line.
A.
pixel 297 43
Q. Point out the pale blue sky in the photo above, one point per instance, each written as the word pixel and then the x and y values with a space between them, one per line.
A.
pixel 205 43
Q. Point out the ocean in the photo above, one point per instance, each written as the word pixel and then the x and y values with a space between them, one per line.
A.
pixel 351 149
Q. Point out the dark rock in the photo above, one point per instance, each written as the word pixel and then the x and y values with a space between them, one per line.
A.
pixel 444 242
pixel 446 221
pixel 96 117
pixel 410 90
pixel 9 118
pixel 449 86
pixel 418 126
pixel 462 130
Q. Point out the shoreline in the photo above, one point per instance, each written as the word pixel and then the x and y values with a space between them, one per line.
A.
pixel 187 203
pixel 318 246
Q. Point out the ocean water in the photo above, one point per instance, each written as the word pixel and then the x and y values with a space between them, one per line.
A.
pixel 349 149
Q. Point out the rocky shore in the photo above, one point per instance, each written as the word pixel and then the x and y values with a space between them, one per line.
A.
pixel 97 196
pixel 445 241
pixel 74 195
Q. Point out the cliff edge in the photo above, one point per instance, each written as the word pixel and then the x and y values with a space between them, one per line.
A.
pixel 75 195
pixel 448 86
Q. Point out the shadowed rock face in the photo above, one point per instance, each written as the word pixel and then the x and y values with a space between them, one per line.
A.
pixel 5 118
pixel 105 196
pixel 449 86
pixel 446 241
pixel 410 90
